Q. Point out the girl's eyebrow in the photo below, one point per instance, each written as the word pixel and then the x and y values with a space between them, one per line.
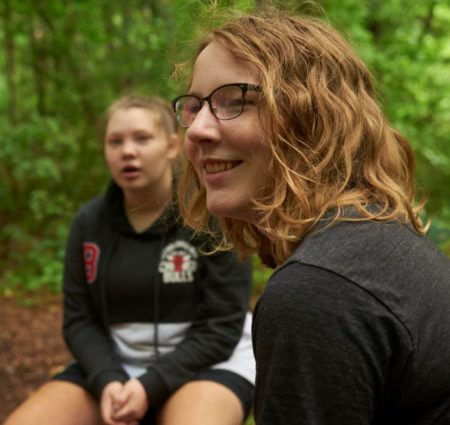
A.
pixel 193 93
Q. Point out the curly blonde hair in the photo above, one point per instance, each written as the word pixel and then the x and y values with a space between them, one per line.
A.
pixel 332 147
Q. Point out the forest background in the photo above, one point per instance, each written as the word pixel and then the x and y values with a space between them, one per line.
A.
pixel 63 62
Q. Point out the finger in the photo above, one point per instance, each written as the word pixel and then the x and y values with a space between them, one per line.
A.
pixel 116 406
pixel 127 414
pixel 105 410
pixel 108 408
pixel 122 397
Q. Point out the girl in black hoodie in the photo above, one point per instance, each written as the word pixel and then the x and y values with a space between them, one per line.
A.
pixel 159 331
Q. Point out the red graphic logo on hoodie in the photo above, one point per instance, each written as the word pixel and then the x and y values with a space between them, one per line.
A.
pixel 178 262
pixel 91 255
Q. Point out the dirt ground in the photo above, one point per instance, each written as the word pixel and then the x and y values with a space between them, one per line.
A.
pixel 31 346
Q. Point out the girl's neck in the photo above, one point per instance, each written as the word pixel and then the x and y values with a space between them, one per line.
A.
pixel 144 208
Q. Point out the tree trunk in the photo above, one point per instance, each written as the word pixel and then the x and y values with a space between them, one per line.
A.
pixel 10 65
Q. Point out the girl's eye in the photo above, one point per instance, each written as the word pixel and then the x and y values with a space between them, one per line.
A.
pixel 143 138
pixel 115 141
pixel 252 99
pixel 236 103
pixel 250 102
pixel 193 109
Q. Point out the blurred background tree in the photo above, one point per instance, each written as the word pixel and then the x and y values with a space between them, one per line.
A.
pixel 62 63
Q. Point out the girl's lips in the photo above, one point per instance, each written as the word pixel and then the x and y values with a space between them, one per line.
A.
pixel 217 172
pixel 219 166
pixel 130 168
pixel 130 172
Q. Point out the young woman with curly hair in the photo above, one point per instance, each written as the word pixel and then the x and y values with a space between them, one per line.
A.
pixel 292 154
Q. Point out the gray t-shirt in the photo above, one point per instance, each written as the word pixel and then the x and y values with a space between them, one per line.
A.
pixel 355 329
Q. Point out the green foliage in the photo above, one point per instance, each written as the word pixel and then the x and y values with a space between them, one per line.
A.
pixel 261 274
pixel 62 63
pixel 35 205
pixel 250 421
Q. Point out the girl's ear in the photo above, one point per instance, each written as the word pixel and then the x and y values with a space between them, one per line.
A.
pixel 174 145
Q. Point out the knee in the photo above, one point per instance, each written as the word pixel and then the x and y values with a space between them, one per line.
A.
pixel 56 403
pixel 202 402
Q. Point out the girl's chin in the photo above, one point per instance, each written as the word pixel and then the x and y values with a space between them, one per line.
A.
pixel 219 209
pixel 225 209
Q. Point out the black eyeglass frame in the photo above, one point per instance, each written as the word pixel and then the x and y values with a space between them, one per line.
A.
pixel 245 87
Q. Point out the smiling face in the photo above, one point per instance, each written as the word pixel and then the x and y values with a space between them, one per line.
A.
pixel 139 152
pixel 230 156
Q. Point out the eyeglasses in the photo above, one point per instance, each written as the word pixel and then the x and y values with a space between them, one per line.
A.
pixel 225 103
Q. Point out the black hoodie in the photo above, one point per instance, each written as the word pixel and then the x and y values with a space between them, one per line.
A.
pixel 114 275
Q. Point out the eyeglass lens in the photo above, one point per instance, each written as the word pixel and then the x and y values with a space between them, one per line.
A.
pixel 225 102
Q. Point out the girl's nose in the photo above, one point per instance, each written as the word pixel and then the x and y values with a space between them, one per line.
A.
pixel 128 148
pixel 205 128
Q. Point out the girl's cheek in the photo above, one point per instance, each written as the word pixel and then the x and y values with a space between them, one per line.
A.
pixel 189 150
